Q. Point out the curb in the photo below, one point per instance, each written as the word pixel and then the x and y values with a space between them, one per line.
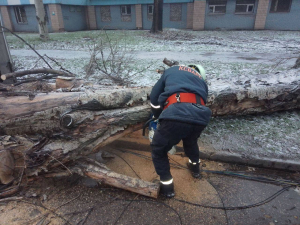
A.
pixel 264 162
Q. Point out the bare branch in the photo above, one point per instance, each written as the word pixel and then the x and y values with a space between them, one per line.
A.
pixel 27 45
pixel 35 71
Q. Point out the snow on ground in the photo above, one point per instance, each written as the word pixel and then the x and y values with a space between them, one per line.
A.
pixel 223 54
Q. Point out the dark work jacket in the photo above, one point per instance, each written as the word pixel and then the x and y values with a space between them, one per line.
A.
pixel 178 79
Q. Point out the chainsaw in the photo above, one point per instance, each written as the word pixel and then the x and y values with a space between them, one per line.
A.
pixel 151 124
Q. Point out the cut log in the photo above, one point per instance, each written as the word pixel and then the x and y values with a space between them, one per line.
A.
pixel 67 82
pixel 105 175
pixel 7 166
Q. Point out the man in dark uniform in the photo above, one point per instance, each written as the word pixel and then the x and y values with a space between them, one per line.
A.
pixel 178 101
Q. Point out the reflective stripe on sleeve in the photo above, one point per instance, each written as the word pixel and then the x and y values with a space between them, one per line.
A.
pixel 155 106
pixel 167 182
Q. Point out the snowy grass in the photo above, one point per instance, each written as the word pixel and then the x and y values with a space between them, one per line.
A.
pixel 172 40
pixel 73 40
pixel 264 135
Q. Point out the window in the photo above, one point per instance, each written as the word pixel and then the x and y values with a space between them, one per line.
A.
pixel 217 6
pixel 125 10
pixel 72 9
pixel 150 9
pixel 75 9
pixel 244 6
pixel 20 14
pixel 280 5
pixel 105 13
pixel 175 12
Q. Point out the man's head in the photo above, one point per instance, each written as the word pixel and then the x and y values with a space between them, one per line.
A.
pixel 199 69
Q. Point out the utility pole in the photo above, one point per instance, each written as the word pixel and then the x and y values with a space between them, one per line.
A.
pixel 5 58
pixel 41 18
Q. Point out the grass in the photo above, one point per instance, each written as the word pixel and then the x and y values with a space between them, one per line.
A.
pixel 275 133
pixel 73 40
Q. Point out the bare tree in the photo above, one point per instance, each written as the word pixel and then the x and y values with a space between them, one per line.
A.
pixel 113 59
pixel 41 18
pixel 157 17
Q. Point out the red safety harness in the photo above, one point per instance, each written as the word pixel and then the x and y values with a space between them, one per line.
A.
pixel 184 97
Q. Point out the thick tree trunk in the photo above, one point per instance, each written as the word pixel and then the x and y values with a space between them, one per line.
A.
pixel 264 94
pixel 157 17
pixel 53 130
pixel 41 19
pixel 72 124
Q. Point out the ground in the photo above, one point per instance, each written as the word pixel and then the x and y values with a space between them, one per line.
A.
pixel 223 54
pixel 76 200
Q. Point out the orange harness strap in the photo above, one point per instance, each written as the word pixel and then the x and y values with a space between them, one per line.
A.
pixel 184 97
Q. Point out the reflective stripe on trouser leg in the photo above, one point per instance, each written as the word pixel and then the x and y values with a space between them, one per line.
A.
pixel 194 163
pixel 167 182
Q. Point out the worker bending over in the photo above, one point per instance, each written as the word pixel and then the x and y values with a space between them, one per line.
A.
pixel 178 101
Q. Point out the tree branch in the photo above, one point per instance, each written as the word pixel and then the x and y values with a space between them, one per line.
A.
pixel 34 71
pixel 27 45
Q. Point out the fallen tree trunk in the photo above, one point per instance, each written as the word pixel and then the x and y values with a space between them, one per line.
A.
pixel 268 93
pixel 52 130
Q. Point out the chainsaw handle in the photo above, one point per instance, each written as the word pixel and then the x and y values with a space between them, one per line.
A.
pixel 146 124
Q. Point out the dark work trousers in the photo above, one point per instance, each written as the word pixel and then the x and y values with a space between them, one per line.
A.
pixel 168 134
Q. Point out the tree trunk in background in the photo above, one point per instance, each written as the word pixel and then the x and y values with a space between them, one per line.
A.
pixel 157 17
pixel 5 59
pixel 160 15
pixel 41 19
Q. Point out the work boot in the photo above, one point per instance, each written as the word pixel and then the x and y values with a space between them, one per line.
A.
pixel 195 168
pixel 167 188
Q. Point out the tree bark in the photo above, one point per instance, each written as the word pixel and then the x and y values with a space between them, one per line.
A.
pixel 103 174
pixel 41 19
pixel 34 71
pixel 75 124
pixel 157 25
pixel 264 94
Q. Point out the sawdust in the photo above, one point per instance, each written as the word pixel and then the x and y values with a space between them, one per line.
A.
pixel 44 199
pixel 186 187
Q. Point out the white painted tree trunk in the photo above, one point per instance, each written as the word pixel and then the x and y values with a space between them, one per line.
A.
pixel 41 18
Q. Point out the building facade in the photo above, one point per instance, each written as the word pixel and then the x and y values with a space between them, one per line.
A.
pixel 76 15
